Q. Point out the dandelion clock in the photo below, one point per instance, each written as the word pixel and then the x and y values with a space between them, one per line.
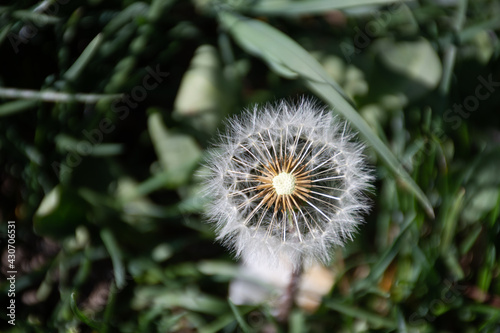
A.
pixel 286 184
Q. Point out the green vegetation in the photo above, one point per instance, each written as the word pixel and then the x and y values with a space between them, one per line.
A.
pixel 107 108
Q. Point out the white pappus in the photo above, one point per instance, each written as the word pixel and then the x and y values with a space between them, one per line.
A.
pixel 286 183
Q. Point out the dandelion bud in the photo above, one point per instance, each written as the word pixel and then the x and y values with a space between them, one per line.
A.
pixel 286 184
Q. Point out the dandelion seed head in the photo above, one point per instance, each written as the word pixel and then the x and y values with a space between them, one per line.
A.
pixel 286 184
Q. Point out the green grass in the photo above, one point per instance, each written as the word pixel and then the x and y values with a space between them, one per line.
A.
pixel 106 111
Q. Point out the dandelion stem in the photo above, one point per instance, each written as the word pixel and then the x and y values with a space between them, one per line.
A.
pixel 288 298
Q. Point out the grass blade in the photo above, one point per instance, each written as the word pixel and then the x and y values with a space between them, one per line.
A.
pixel 13 107
pixel 79 65
pixel 243 325
pixel 287 7
pixel 378 269
pixel 81 316
pixel 372 318
pixel 116 257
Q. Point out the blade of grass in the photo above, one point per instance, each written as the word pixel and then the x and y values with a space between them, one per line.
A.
pixel 81 316
pixel 485 275
pixel 125 16
pixel 223 321
pixel 386 258
pixel 79 65
pixel 10 108
pixel 37 18
pixel 450 220
pixel 4 32
pixel 262 40
pixel 287 7
pixel 116 257
pixel 239 318
pixel 372 318
pixel 451 52
pixel 218 324
pixel 108 311
pixel 451 261
pixel 297 322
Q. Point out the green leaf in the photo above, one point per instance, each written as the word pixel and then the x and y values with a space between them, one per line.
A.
pixel 66 144
pixel 79 65
pixel 211 102
pixel 218 324
pixel 125 16
pixel 485 275
pixel 59 213
pixel 239 318
pixel 218 268
pixel 290 7
pixel 81 316
pixel 298 322
pixel 13 107
pixel 4 32
pixel 416 60
pixel 270 44
pixel 168 298
pixel 39 19
pixel 277 49
pixel 378 269
pixel 450 219
pixel 177 153
pixel 116 257
pixel 373 318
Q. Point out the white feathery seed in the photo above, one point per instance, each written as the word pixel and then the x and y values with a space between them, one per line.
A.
pixel 286 183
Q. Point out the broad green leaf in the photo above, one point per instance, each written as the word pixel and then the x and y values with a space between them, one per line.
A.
pixel 177 153
pixel 59 213
pixel 416 60
pixel 262 40
pixel 204 109
pixel 277 49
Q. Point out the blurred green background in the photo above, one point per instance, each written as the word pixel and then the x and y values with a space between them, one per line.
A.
pixel 107 108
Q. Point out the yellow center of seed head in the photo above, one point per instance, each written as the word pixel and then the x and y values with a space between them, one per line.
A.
pixel 284 183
